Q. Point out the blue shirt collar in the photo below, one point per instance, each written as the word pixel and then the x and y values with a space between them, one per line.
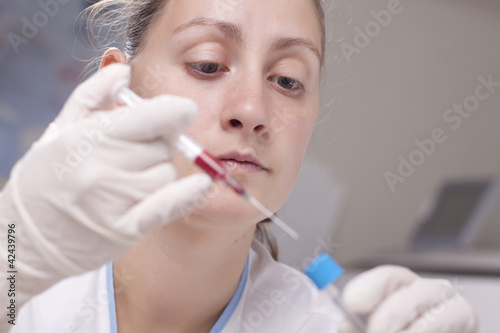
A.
pixel 219 325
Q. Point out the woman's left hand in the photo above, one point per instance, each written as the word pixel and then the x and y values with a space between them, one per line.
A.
pixel 396 299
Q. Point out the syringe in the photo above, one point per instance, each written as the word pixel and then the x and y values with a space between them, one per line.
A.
pixel 196 154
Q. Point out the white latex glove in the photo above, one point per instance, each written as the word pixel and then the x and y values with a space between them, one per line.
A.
pixel 94 184
pixel 397 300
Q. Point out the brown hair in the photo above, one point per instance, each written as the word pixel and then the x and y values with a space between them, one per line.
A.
pixel 130 22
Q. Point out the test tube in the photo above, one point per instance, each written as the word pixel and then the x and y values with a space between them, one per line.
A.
pixel 325 272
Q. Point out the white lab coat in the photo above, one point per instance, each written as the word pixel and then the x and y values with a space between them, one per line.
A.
pixel 271 297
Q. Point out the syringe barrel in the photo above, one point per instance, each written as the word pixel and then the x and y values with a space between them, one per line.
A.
pixel 184 144
pixel 128 97
pixel 188 147
pixel 212 166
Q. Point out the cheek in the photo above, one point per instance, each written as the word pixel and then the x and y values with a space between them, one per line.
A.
pixel 149 78
pixel 152 80
pixel 298 145
pixel 149 83
pixel 293 141
pixel 293 129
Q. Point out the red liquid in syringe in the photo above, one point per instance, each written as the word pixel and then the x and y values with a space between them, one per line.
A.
pixel 216 170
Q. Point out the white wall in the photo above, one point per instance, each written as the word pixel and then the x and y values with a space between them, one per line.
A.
pixel 396 90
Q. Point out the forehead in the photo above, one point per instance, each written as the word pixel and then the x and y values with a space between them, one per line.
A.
pixel 256 19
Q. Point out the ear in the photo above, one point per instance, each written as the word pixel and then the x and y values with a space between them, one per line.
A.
pixel 112 56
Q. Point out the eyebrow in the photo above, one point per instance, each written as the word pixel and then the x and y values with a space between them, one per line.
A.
pixel 228 29
pixel 233 32
pixel 287 42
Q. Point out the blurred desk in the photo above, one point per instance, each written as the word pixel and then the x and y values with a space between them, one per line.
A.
pixel 452 262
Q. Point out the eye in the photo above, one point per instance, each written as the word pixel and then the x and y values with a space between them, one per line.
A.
pixel 287 82
pixel 207 67
pixel 289 85
pixel 205 70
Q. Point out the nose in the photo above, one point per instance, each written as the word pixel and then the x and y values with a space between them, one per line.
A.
pixel 245 108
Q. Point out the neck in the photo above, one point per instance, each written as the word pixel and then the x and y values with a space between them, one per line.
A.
pixel 167 282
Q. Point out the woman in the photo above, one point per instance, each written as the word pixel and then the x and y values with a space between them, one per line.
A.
pixel 101 185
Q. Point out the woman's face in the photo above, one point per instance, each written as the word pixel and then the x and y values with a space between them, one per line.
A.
pixel 253 68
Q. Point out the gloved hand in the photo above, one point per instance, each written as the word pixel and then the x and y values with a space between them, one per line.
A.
pixel 397 300
pixel 95 183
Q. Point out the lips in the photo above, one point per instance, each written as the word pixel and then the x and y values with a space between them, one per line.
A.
pixel 235 162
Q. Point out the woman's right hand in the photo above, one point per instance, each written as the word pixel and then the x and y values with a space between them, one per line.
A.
pixel 96 182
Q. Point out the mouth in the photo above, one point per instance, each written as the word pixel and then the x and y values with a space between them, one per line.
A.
pixel 245 163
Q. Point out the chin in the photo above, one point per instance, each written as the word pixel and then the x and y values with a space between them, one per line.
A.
pixel 223 207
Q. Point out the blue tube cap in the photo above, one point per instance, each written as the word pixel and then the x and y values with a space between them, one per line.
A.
pixel 323 270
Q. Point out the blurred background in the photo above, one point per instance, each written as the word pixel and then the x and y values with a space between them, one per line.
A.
pixel 401 117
